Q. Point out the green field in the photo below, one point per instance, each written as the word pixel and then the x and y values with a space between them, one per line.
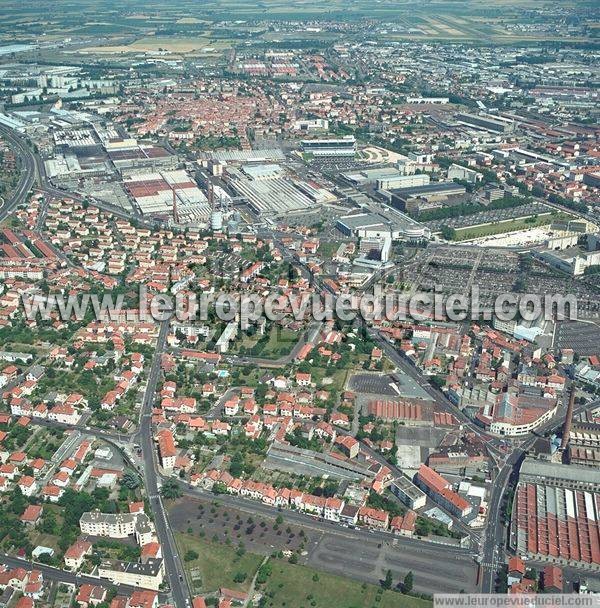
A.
pixel 338 376
pixel 475 232
pixel 294 586
pixel 279 343
pixel 288 585
pixel 216 565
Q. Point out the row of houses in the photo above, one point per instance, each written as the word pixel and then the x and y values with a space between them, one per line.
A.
pixel 329 508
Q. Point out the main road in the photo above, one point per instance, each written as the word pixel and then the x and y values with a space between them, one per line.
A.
pixel 494 536
pixel 493 550
pixel 173 565
pixel 29 170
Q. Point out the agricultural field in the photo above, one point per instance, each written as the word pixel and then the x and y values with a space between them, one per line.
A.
pixel 184 27
pixel 159 44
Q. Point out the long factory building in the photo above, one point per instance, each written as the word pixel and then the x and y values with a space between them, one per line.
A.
pixel 555 514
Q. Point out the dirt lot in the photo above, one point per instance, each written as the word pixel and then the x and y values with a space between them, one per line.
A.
pixel 259 534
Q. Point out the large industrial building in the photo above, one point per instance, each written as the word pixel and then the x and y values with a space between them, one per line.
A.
pixel 396 225
pixel 142 156
pixel 166 193
pixel 409 412
pixel 464 174
pixel 572 260
pixel 240 156
pixel 344 146
pixel 584 444
pixel 386 178
pixel 403 198
pixel 403 181
pixel 270 192
pixel 494 124
pixel 555 514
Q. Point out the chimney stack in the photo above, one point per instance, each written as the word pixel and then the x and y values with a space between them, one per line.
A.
pixel 211 195
pixel 568 419
pixel 175 212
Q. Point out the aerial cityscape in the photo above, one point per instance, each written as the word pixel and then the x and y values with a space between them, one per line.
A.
pixel 299 303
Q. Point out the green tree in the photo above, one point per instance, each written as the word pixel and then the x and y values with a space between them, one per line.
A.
pixel 171 490
pixel 387 583
pixel 18 502
pixel 237 464
pixel 190 555
pixel 263 573
pixel 239 577
pixel 48 524
pixel 407 585
pixel 448 233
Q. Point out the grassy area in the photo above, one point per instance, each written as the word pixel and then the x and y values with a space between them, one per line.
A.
pixel 288 585
pixel 338 376
pixel 246 376
pixel 279 342
pixel 474 232
pixel 294 586
pixel 216 565
pixel 327 249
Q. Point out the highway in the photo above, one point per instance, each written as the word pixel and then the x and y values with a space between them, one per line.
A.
pixel 28 170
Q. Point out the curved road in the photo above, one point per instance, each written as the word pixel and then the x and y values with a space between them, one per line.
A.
pixel 29 170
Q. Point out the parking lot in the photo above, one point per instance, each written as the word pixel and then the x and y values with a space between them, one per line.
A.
pixel 495 272
pixel 427 436
pixel 583 338
pixel 340 551
pixel 373 384
pixel 370 560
